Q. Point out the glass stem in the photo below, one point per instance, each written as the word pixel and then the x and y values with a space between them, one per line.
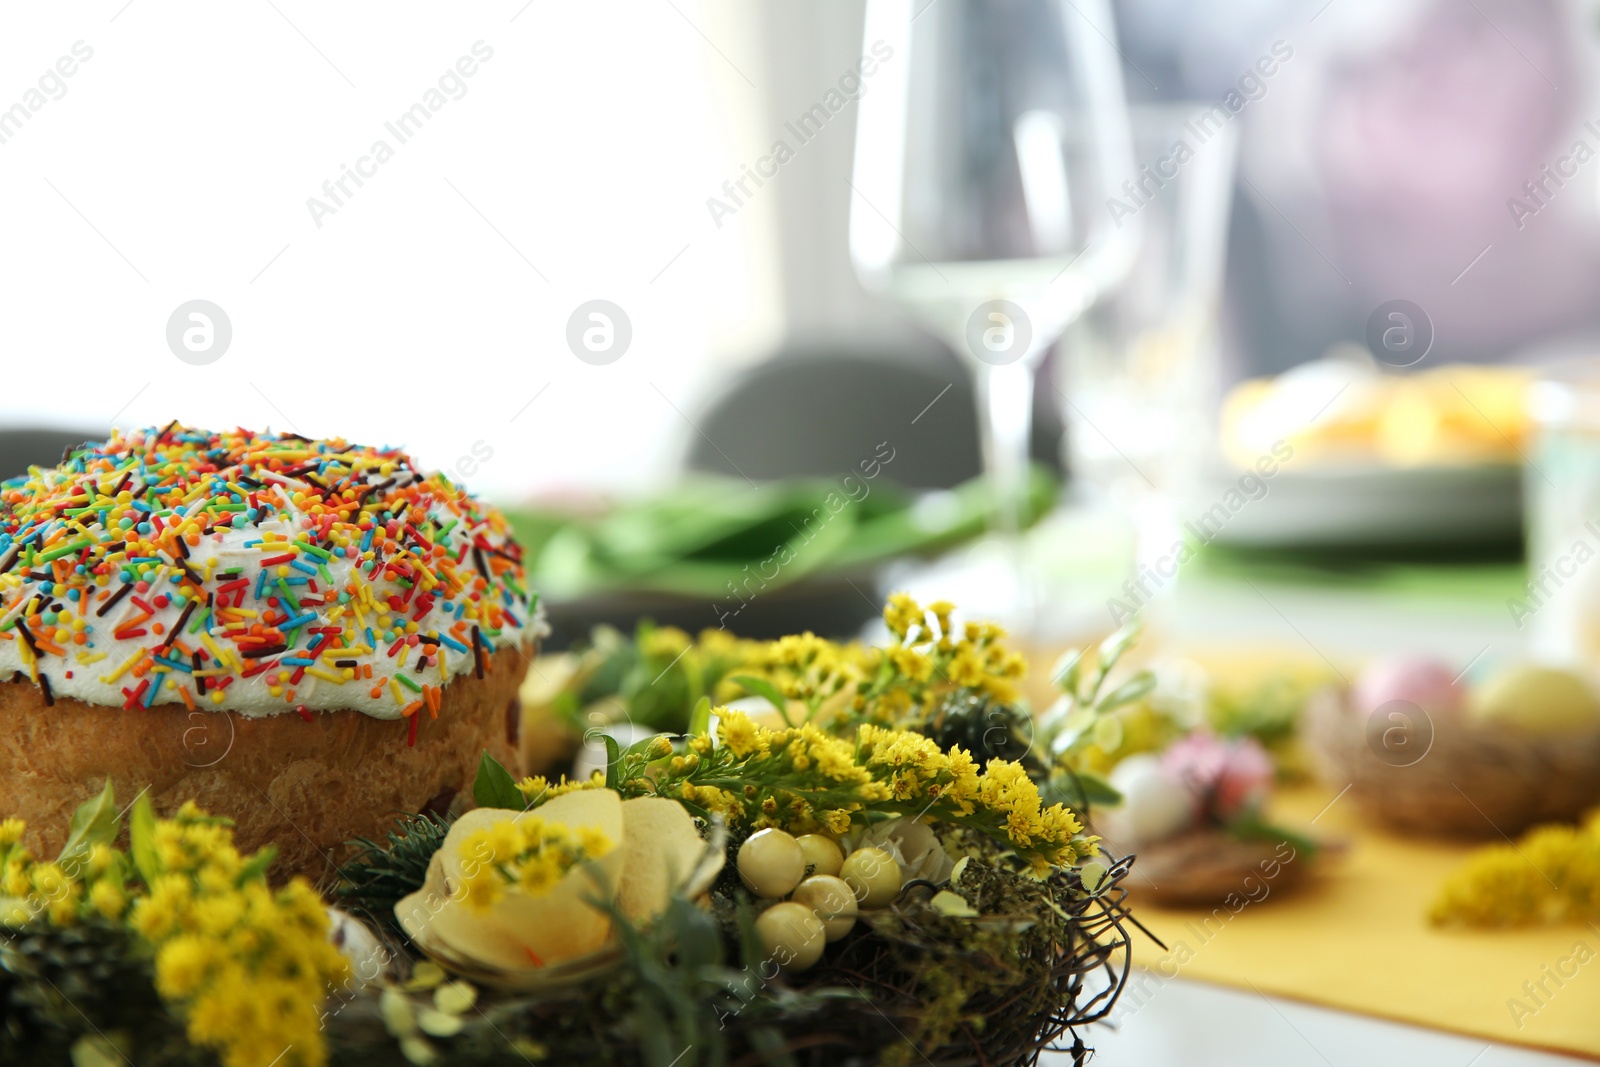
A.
pixel 1005 422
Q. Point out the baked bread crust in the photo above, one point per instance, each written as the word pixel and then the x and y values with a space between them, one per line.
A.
pixel 305 787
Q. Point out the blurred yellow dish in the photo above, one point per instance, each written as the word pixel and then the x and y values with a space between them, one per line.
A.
pixel 1338 410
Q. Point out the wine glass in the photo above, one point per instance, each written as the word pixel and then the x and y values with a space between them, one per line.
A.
pixel 1142 367
pixel 985 154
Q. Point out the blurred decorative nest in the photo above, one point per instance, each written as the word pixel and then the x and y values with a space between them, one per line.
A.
pixel 1457 778
pixel 1210 867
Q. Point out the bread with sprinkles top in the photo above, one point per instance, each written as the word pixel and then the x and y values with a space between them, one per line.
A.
pixel 304 635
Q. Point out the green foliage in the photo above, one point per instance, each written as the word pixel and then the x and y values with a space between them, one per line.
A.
pixel 142 838
pixel 96 822
pixel 62 985
pixel 1268 710
pixel 700 717
pixel 494 787
pixel 677 998
pixel 650 678
pixel 1086 716
pixel 767 691
pixel 381 873
pixel 986 728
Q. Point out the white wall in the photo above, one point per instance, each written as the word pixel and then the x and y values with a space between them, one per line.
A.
pixel 431 307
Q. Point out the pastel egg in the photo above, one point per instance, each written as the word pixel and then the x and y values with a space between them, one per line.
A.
pixel 771 863
pixel 1536 698
pixel 792 935
pixel 1414 679
pixel 822 854
pixel 1155 805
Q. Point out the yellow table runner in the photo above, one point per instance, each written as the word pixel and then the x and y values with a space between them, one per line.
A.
pixel 1355 936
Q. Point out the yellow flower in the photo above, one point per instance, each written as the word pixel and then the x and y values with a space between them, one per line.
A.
pixel 547 911
pixel 1551 875
pixel 215 916
pixel 15 881
pixel 593 841
pixel 49 880
pixel 108 898
pixel 666 642
pixel 966 668
pixel 902 614
pixel 539 788
pixel 11 832
pixel 182 964
pixel 64 912
pixel 911 663
pixel 505 841
pixel 247 966
pixel 100 858
pixel 524 851
pixel 739 734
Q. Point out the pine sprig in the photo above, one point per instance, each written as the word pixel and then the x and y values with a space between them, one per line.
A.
pixel 382 873
pixel 61 985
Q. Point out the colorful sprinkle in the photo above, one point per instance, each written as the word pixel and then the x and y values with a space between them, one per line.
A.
pixel 352 557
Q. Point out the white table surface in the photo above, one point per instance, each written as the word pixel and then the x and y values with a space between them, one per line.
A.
pixel 1185 1023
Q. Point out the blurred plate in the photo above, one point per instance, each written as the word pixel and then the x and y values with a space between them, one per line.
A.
pixel 1366 507
pixel 762 560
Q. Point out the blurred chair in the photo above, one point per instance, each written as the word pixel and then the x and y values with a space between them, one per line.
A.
pixel 22 448
pixel 819 409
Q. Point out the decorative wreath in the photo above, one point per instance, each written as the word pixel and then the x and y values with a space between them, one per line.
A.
pixel 884 862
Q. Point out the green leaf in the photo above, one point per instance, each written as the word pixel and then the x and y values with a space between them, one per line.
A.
pixel 613 761
pixel 95 1050
pixel 1096 790
pixel 494 786
pixel 1073 729
pixel 1091 874
pixel 1079 791
pixel 255 868
pixel 769 1042
pixel 1064 675
pixel 767 691
pixel 96 822
pixel 700 717
pixel 1252 827
pixel 142 839
pixel 641 748
pixel 1126 693
pixel 1112 648
pixel 1108 733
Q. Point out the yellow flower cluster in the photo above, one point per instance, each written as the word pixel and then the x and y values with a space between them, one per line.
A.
pixel 1551 875
pixel 975 659
pixel 812 671
pixel 526 853
pixel 538 789
pixel 62 892
pixel 1001 797
pixel 804 779
pixel 250 966
pixel 928 657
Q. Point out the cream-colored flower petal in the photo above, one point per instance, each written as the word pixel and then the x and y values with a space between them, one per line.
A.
pixel 519 932
pixel 911 842
pixel 662 848
pixel 522 931
pixel 600 808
